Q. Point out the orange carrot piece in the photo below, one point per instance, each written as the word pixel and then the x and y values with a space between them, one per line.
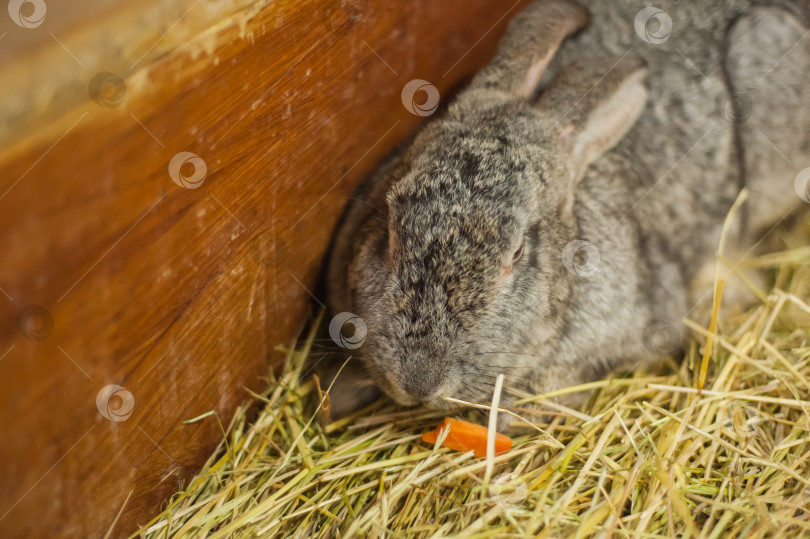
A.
pixel 466 436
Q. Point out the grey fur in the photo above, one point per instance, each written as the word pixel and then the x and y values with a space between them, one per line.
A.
pixel 422 256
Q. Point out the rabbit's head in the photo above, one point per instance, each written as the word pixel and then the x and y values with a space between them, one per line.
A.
pixel 467 280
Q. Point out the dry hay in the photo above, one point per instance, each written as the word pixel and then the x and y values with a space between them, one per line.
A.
pixel 646 457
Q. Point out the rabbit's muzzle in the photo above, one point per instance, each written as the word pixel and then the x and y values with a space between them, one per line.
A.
pixel 416 382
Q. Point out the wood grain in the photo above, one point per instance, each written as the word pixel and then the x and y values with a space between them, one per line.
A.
pixel 179 295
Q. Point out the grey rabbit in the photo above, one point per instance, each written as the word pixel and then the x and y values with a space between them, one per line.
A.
pixel 549 224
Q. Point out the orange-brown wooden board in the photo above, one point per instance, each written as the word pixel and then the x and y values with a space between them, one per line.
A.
pixel 179 295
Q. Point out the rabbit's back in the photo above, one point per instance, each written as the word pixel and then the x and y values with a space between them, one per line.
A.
pixel 654 206
pixel 728 94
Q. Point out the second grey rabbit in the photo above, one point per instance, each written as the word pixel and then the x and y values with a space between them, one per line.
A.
pixel 549 224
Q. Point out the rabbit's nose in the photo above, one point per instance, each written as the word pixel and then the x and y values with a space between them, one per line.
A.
pixel 422 386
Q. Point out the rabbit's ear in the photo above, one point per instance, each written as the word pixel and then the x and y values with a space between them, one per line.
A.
pixel 533 37
pixel 594 104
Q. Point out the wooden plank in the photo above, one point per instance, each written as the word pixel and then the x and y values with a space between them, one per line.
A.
pixel 179 295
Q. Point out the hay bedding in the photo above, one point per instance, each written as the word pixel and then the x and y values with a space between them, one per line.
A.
pixel 647 456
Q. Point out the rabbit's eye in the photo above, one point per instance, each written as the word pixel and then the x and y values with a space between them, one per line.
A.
pixel 518 254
